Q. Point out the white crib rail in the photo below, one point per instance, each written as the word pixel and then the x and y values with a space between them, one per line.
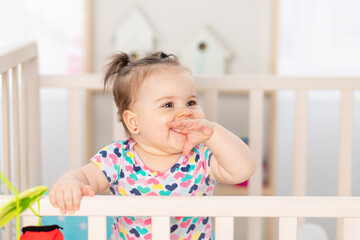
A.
pixel 22 58
pixel 20 118
pixel 223 208
pixel 256 87
pixel 19 69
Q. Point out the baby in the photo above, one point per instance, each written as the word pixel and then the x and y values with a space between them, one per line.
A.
pixel 172 150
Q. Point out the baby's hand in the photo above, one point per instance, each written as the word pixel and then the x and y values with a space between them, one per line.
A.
pixel 196 130
pixel 66 195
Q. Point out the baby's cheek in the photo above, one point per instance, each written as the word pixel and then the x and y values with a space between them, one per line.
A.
pixel 199 114
pixel 162 128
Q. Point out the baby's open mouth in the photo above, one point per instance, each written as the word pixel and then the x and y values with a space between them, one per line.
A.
pixel 177 131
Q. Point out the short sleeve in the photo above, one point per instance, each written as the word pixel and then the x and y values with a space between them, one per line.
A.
pixel 108 160
pixel 205 156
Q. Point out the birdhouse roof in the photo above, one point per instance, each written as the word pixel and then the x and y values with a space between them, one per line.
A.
pixel 135 33
pixel 212 43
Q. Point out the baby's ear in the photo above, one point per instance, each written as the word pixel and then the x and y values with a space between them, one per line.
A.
pixel 130 119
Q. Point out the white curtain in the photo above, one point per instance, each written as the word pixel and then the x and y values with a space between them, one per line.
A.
pixel 319 37
pixel 57 26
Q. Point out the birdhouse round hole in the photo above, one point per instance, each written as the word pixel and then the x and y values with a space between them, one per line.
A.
pixel 134 56
pixel 202 46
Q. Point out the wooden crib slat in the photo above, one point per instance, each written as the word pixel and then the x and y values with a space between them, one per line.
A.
pixel 224 228
pixel 256 122
pixel 159 226
pixel 97 228
pixel 16 136
pixel 211 104
pixel 351 229
pixel 6 139
pixel 76 128
pixel 6 127
pixel 89 124
pixel 345 149
pixel 24 133
pixel 288 228
pixel 345 143
pixel 32 111
pixel 254 228
pixel 300 141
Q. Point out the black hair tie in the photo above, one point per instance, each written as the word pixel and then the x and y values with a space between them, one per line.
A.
pixel 163 55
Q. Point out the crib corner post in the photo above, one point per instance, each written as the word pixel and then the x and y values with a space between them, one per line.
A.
pixel 224 228
pixel 288 228
pixel 158 226
pixel 350 229
pixel 97 227
pixel 31 117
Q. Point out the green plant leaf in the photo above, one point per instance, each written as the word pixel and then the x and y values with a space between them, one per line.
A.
pixel 26 199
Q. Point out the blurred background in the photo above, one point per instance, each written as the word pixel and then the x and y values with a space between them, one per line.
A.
pixel 238 37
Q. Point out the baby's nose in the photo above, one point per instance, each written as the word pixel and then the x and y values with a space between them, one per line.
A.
pixel 184 113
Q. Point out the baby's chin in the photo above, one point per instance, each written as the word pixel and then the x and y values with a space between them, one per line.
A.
pixel 179 146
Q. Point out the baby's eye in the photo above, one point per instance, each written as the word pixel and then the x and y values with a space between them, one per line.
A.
pixel 168 105
pixel 191 103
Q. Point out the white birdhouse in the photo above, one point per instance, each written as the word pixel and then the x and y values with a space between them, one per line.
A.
pixel 205 54
pixel 135 34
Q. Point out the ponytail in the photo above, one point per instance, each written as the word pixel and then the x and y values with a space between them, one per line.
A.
pixel 116 67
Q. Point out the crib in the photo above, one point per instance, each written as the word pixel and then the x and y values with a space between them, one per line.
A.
pixel 20 159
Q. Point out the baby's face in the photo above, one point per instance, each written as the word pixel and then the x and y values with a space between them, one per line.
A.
pixel 165 96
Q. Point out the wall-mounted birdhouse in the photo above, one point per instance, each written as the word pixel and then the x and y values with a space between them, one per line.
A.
pixel 205 54
pixel 134 34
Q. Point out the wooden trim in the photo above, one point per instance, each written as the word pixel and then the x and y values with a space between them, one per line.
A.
pixel 300 144
pixel 351 229
pixel 346 143
pixel 24 133
pixel 16 124
pixel 271 185
pixel 97 228
pixel 275 37
pixel 288 228
pixel 226 83
pixel 159 226
pixel 89 125
pixel 32 113
pixel 85 81
pixel 255 228
pixel 345 152
pixel 6 128
pixel 224 228
pixel 271 233
pixel 88 35
pixel 256 130
pixel 256 133
pixel 222 206
pixel 17 53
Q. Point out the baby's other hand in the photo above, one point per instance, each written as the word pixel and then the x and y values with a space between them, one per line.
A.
pixel 66 195
pixel 196 130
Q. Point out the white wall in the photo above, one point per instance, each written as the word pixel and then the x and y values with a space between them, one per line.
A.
pixel 244 26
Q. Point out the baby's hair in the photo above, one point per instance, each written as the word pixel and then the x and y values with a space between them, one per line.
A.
pixel 127 75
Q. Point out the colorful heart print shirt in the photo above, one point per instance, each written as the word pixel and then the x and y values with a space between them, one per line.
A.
pixel 128 175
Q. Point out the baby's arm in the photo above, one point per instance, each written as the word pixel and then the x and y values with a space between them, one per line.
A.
pixel 67 192
pixel 232 160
